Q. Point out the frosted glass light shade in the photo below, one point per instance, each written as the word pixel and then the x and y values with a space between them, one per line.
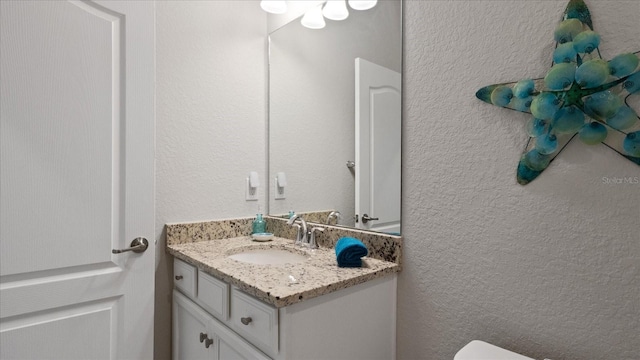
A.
pixel 313 18
pixel 335 10
pixel 362 4
pixel 274 6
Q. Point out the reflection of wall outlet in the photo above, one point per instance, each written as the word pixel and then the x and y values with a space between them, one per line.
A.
pixel 251 194
pixel 279 191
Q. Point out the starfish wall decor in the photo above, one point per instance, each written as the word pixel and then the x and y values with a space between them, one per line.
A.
pixel 582 95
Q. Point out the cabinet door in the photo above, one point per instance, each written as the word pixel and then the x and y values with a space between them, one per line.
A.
pixel 229 353
pixel 190 326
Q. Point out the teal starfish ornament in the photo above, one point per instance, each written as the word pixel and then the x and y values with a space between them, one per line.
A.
pixel 581 96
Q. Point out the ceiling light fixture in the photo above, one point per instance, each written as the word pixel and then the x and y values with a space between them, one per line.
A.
pixel 362 4
pixel 274 6
pixel 313 18
pixel 335 10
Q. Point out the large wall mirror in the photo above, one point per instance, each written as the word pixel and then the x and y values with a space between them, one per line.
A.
pixel 335 118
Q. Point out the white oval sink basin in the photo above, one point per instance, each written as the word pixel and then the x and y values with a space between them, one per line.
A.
pixel 268 257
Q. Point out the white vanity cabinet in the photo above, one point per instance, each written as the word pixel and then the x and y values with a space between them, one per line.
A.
pixel 200 304
pixel 358 322
pixel 197 335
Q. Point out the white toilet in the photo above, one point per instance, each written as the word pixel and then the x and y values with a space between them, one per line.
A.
pixel 480 350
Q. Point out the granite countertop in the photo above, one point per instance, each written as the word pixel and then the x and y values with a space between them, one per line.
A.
pixel 278 285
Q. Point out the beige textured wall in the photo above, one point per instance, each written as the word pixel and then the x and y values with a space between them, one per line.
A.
pixel 210 122
pixel 548 270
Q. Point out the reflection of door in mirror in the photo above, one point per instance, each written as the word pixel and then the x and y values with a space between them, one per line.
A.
pixel 378 145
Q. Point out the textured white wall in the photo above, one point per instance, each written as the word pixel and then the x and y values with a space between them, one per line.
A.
pixel 210 58
pixel 550 269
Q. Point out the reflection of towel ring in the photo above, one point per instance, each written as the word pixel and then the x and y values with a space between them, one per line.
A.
pixel 351 164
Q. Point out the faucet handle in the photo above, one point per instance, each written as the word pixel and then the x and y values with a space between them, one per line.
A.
pixel 334 214
pixel 298 233
pixel 312 242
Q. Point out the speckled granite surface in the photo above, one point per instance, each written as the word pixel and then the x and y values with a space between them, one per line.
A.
pixel 208 230
pixel 312 216
pixel 279 285
pixel 381 246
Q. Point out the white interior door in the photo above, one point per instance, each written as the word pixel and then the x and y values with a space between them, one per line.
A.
pixel 378 147
pixel 76 179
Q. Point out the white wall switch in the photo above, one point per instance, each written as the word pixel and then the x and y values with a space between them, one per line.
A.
pixel 251 193
pixel 279 190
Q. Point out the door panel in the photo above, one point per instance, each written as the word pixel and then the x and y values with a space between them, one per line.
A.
pixel 57 151
pixel 30 336
pixel 76 178
pixel 378 146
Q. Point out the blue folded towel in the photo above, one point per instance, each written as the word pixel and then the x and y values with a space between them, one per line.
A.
pixel 349 251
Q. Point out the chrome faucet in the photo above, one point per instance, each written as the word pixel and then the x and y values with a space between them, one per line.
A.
pixel 333 214
pixel 312 241
pixel 301 236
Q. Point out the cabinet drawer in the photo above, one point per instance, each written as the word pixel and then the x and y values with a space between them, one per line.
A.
pixel 184 277
pixel 213 294
pixel 255 320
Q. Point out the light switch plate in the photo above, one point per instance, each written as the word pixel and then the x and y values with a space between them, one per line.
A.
pixel 279 191
pixel 251 194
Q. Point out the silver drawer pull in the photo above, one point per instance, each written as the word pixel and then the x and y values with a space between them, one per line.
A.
pixel 246 320
pixel 138 245
pixel 179 277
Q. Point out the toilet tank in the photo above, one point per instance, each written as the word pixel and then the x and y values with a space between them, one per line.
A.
pixel 480 350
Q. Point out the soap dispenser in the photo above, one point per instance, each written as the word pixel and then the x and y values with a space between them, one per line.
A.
pixel 259 225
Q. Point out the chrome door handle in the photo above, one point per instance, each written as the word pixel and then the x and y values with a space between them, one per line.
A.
pixel 366 218
pixel 138 245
